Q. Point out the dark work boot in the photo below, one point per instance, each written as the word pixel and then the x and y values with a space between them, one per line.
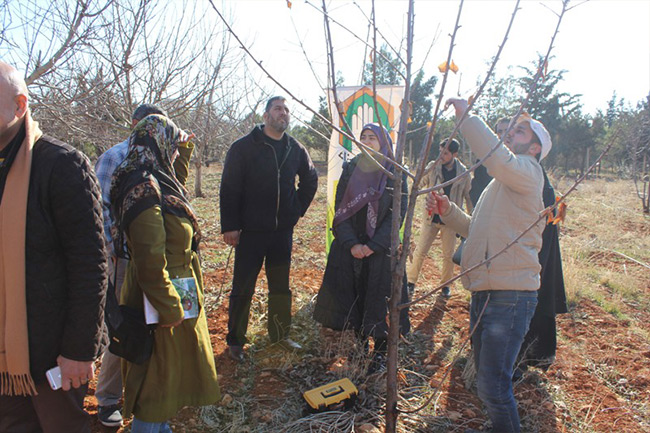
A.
pixel 236 353
pixel 279 321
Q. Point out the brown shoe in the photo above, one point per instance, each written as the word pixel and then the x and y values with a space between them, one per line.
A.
pixel 236 353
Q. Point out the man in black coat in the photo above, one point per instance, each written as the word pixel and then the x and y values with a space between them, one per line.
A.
pixel 52 271
pixel 540 343
pixel 481 176
pixel 260 205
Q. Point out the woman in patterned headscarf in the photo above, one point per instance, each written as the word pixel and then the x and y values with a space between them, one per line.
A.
pixel 152 211
pixel 357 278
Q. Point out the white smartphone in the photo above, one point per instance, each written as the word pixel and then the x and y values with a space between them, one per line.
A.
pixel 54 377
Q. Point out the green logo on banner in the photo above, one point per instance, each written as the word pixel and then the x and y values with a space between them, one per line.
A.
pixel 356 102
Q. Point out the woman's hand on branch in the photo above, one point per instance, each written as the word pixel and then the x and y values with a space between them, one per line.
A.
pixel 437 203
pixel 460 105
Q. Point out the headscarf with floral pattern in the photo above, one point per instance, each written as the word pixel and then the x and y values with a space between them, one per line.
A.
pixel 146 177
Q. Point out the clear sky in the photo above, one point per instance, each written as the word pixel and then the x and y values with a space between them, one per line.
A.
pixel 604 45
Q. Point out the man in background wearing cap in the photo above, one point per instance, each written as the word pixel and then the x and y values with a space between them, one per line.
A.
pixel 109 381
pixel 504 290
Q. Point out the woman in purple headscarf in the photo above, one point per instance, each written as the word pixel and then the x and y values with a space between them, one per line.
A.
pixel 357 278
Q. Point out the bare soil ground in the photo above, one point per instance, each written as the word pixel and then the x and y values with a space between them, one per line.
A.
pixel 600 381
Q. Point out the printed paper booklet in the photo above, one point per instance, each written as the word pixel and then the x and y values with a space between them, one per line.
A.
pixel 186 288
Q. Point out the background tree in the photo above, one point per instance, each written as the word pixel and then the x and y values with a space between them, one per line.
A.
pixel 315 134
pixel 90 63
pixel 550 106
pixel 630 131
pixel 390 69
pixel 575 142
pixel 421 113
pixel 640 150
pixel 500 98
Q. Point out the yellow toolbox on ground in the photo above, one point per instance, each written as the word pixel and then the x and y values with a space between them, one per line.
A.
pixel 333 396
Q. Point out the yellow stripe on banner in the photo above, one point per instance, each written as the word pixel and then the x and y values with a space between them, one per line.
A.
pixel 330 217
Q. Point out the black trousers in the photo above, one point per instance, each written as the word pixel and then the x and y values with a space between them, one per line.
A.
pixel 48 412
pixel 377 308
pixel 274 250
pixel 540 342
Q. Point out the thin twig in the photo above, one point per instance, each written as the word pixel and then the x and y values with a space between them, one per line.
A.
pixel 366 44
pixel 223 276
pixel 396 52
pixel 628 257
pixel 384 131
pixel 302 48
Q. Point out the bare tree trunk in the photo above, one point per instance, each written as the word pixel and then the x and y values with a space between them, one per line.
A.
pixel 566 163
pixel 644 177
pixel 398 265
pixel 198 192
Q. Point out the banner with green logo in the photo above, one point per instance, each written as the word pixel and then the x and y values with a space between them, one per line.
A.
pixel 358 107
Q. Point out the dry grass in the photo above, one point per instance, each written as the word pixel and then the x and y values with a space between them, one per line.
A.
pixel 604 218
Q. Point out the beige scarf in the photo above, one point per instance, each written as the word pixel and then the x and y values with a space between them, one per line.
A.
pixel 15 378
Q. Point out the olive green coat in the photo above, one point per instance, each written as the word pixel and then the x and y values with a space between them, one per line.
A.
pixel 181 371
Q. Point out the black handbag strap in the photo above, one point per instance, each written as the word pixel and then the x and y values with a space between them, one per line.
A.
pixel 112 311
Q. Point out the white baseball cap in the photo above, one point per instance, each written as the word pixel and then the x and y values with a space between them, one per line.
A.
pixel 542 134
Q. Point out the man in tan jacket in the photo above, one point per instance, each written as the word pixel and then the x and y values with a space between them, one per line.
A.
pixel 504 287
pixel 447 168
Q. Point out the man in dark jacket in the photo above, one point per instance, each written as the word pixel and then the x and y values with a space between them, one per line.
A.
pixel 260 205
pixel 540 343
pixel 52 271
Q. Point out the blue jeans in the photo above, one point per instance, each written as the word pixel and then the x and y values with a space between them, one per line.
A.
pixel 496 343
pixel 138 426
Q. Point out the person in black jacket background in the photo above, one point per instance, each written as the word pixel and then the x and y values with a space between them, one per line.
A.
pixel 259 206
pixel 540 343
pixel 481 176
pixel 53 277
